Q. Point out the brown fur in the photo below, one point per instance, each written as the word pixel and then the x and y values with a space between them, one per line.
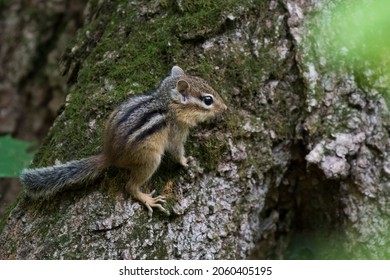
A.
pixel 142 159
pixel 137 134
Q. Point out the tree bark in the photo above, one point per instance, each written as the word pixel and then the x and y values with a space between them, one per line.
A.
pixel 298 168
pixel 33 35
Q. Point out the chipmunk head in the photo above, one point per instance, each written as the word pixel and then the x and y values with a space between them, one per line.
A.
pixel 193 99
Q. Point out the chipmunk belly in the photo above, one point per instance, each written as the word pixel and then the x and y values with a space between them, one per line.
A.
pixel 152 147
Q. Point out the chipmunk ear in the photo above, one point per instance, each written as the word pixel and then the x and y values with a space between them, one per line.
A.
pixel 182 87
pixel 176 71
pixel 181 93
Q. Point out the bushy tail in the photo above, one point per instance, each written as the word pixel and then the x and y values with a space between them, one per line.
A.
pixel 46 181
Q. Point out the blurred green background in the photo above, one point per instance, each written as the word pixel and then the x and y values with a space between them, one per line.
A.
pixel 356 34
pixel 13 156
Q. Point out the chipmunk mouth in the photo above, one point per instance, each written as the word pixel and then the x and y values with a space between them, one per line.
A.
pixel 219 117
pixel 222 109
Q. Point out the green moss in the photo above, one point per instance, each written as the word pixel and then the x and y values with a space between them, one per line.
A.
pixel 121 53
pixel 62 239
pixel 208 152
pixel 126 53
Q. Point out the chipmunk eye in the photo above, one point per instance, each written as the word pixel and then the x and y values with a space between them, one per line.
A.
pixel 208 100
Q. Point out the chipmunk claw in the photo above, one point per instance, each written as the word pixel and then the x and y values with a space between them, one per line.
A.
pixel 152 202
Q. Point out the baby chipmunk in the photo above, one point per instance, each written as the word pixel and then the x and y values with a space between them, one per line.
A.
pixel 137 134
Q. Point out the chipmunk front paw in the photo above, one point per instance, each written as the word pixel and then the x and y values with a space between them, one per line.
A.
pixel 183 161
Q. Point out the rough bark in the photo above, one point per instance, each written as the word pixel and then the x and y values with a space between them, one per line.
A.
pixel 298 167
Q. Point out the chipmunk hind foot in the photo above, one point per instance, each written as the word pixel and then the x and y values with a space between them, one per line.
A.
pixel 150 202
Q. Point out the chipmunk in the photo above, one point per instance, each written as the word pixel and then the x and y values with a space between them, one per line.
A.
pixel 137 134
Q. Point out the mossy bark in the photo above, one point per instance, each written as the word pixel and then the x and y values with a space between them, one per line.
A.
pixel 266 181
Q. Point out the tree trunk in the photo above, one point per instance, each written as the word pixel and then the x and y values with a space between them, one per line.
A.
pixel 33 35
pixel 297 168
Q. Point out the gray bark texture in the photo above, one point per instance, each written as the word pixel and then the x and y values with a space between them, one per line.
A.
pixel 297 168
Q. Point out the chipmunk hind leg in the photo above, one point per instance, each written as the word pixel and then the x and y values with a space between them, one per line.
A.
pixel 139 175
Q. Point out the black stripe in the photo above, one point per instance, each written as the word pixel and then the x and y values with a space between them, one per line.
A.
pixel 156 127
pixel 131 111
pixel 144 120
